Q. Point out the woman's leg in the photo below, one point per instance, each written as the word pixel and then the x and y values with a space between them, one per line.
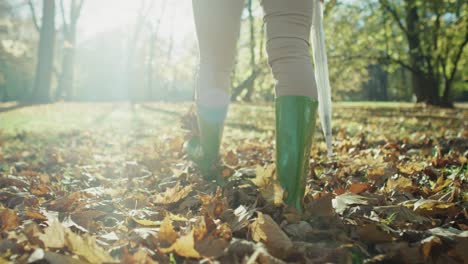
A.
pixel 218 25
pixel 288 32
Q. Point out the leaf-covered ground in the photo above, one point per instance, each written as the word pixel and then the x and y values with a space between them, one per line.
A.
pixel 109 183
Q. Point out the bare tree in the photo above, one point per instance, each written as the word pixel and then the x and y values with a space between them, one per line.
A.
pixel 45 52
pixel 150 65
pixel 144 11
pixel 248 83
pixel 67 76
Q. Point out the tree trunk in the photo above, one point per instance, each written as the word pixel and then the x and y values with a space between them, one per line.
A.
pixel 425 85
pixel 150 66
pixel 426 88
pixel 446 100
pixel 45 54
pixel 67 76
pixel 250 89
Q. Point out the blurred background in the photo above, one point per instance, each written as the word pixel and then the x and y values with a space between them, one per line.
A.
pixel 146 50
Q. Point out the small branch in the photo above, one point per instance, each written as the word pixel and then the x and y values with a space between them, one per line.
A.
pixel 33 15
pixel 80 7
pixel 395 15
pixel 458 56
pixel 66 30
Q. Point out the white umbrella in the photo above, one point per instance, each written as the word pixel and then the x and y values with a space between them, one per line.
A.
pixel 321 73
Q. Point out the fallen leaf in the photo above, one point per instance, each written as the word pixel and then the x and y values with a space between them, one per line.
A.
pixel 211 246
pixel 373 233
pixel 173 195
pixel 9 219
pixel 144 222
pixel 411 168
pixel 401 216
pixel 231 159
pixel 434 207
pixel 358 188
pixel 268 184
pixel 54 235
pixel 85 246
pixel 112 236
pixel 140 257
pixel 184 246
pixel 36 215
pixel 64 204
pixel 167 232
pixel 40 190
pixel 401 183
pixel 441 184
pixel 427 245
pixel 87 218
pixel 213 205
pixel 321 206
pixel 264 229
pixel 239 218
pixel 342 202
pixel 39 256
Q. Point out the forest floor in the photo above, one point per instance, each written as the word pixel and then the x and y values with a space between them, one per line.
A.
pixel 109 183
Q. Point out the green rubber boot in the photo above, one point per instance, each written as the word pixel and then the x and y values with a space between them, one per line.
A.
pixel 204 148
pixel 295 125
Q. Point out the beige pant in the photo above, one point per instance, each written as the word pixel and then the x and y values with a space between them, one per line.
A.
pixel 288 25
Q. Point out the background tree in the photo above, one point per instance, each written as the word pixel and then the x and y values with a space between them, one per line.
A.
pixel 69 29
pixel 45 52
pixel 435 34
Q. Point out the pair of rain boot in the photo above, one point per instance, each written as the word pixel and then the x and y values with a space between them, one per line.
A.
pixel 295 124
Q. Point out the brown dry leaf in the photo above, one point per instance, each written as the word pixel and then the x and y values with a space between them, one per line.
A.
pixel 211 246
pixel 342 202
pixel 239 218
pixel 433 207
pixel 86 218
pixel 213 205
pixel 268 184
pixel 175 217
pixel 265 229
pixel 86 247
pixel 44 178
pixel 401 183
pixel 145 222
pixel 184 246
pixel 373 233
pixel 36 215
pixel 210 240
pixel 231 159
pixel 64 204
pixel 167 232
pixel 358 188
pixel 411 168
pixel 321 206
pixel 401 215
pixel 427 245
pixel 9 219
pixel 202 226
pixel 376 172
pixel 54 235
pixel 40 190
pixel 41 256
pixel 140 257
pixel 441 184
pixel 173 195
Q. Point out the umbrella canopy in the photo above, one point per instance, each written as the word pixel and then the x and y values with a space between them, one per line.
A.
pixel 321 73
